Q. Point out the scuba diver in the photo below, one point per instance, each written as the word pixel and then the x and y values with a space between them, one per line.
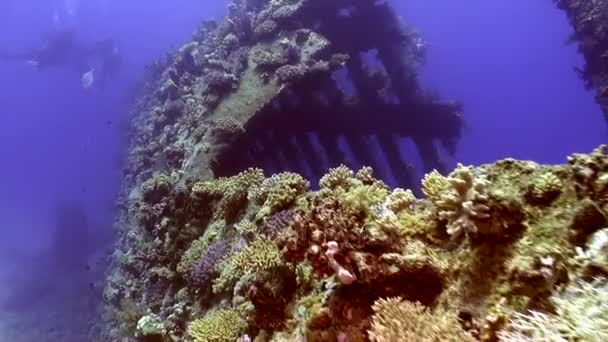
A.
pixel 63 50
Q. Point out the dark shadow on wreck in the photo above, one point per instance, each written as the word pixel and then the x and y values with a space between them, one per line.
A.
pixel 57 292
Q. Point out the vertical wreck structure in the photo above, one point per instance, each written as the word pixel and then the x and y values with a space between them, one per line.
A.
pixel 261 87
pixel 589 18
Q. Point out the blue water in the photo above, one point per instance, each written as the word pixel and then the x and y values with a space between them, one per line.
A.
pixel 506 61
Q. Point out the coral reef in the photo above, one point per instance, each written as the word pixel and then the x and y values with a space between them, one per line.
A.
pixel 213 249
pixel 354 261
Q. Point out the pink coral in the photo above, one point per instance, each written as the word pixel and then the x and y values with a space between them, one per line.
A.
pixel 345 276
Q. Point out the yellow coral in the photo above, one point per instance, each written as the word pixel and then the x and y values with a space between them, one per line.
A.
pixel 340 177
pixel 245 226
pixel 396 320
pixel 278 192
pixel 261 255
pixel 400 200
pixel 366 176
pixel 434 185
pixel 230 191
pixel 217 326
pixel 227 186
pixel 363 198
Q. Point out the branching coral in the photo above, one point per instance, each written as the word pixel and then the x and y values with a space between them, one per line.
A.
pixel 230 193
pixel 400 200
pixel 340 177
pixel 581 315
pixel 278 192
pixel 461 198
pixel 155 188
pixel 397 320
pixel 217 326
pixel 277 223
pixel 199 247
pixel 203 271
pixel 261 255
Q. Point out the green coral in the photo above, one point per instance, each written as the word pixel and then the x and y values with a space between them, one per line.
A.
pixel 434 185
pixel 245 226
pixel 229 192
pixel 340 177
pixel 401 200
pixel 262 254
pixel 412 223
pixel 278 192
pixel 364 198
pixel 217 326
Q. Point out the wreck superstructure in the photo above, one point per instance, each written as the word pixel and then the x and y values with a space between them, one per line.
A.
pixel 589 18
pixel 260 85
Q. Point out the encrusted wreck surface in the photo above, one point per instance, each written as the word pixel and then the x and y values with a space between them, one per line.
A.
pixel 589 19
pixel 260 86
pixel 212 249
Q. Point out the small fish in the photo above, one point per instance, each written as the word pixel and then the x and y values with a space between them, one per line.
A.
pixel 87 79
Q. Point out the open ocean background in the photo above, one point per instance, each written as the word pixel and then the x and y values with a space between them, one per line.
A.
pixel 505 60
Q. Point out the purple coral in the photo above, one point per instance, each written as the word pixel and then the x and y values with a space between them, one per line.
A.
pixel 203 271
pixel 277 222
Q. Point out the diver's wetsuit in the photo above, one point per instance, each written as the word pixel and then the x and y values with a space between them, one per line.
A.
pixel 63 49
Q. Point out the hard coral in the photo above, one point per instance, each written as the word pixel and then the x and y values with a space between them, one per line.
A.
pixel 397 320
pixel 230 193
pixel 277 223
pixel 340 177
pixel 261 255
pixel 206 267
pixel 155 188
pixel 278 192
pixel 461 198
pixel 582 315
pixel 198 248
pixel 329 220
pixel 217 326
pixel 265 29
